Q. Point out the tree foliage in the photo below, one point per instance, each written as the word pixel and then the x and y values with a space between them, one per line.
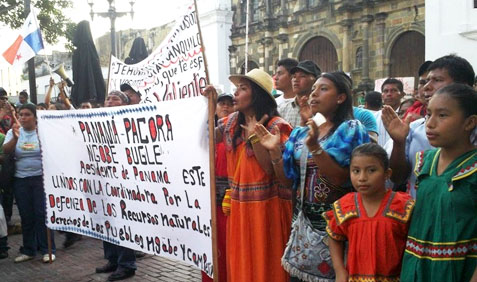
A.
pixel 53 23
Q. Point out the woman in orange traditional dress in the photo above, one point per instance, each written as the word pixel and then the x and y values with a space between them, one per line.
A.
pixel 260 208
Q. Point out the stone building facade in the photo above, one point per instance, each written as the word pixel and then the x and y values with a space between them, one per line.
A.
pixel 369 39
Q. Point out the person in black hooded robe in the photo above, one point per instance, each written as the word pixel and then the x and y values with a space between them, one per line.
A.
pixel 138 52
pixel 87 76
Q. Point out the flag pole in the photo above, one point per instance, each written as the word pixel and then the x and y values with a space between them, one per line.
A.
pixel 246 36
pixel 109 75
pixel 31 64
pixel 211 118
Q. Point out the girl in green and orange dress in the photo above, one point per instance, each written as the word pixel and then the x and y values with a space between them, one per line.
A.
pixel 442 240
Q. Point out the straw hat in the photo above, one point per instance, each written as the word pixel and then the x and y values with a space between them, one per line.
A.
pixel 261 78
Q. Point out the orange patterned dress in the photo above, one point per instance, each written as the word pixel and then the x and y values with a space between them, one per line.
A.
pixel 376 244
pixel 260 212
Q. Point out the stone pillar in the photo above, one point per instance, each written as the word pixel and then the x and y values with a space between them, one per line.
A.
pixel 382 70
pixel 347 59
pixel 282 51
pixel 366 83
pixel 300 5
pixel 267 51
pixel 233 59
pixel 268 9
pixel 283 5
pixel 238 12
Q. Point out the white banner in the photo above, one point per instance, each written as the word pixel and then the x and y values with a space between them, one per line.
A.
pixel 136 176
pixel 407 83
pixel 175 70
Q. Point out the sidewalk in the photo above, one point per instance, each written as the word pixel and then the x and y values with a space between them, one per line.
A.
pixel 78 263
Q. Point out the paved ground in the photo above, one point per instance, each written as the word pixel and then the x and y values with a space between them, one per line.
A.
pixel 78 263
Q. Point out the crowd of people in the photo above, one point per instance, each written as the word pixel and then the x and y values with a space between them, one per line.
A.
pixel 389 187
pixel 354 175
pixel 22 176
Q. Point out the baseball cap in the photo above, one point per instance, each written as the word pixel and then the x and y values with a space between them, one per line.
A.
pixel 126 86
pixel 308 67
pixel 224 95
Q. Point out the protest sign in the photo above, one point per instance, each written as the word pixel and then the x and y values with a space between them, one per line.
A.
pixel 136 176
pixel 175 70
pixel 407 82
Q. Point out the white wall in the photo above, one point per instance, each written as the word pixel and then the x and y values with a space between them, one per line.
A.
pixel 451 27
pixel 216 23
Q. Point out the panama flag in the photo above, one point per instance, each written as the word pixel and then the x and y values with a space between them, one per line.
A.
pixel 28 43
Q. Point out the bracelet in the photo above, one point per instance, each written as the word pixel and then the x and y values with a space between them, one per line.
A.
pixel 317 152
pixel 253 139
pixel 277 161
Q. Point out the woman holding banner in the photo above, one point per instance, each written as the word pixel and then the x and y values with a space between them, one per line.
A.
pixel 28 185
pixel 260 209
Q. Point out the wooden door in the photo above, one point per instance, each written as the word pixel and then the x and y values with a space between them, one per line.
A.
pixel 407 54
pixel 321 51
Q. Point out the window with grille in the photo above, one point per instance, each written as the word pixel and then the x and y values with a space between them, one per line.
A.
pixel 359 58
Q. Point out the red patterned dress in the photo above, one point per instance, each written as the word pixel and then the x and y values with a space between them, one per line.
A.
pixel 376 244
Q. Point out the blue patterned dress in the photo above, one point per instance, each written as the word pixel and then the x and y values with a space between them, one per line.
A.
pixel 320 193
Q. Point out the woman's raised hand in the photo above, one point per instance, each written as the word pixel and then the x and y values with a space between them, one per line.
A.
pixel 269 140
pixel 210 90
pixel 312 139
pixel 305 110
pixel 250 122
pixel 16 130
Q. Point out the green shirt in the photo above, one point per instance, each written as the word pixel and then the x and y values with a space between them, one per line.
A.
pixel 442 238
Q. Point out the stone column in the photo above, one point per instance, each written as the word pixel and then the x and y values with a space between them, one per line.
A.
pixel 233 59
pixel 283 8
pixel 347 59
pixel 282 51
pixel 268 9
pixel 238 12
pixel 366 83
pixel 267 43
pixel 382 70
pixel 300 5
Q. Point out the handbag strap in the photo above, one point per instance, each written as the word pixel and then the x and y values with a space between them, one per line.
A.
pixel 303 160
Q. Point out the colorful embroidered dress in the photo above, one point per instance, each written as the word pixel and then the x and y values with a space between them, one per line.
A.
pixel 319 192
pixel 442 240
pixel 376 244
pixel 260 211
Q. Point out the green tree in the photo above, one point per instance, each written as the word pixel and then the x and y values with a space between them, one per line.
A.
pixel 53 23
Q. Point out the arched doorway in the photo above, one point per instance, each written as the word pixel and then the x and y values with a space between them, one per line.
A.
pixel 321 51
pixel 407 54
pixel 250 66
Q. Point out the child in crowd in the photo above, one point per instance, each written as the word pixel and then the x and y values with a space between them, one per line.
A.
pixel 442 240
pixel 374 221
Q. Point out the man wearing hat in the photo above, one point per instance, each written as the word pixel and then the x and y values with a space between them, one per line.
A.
pixel 304 76
pixel 133 95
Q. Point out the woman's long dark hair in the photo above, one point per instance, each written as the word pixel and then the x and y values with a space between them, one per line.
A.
pixel 262 104
pixel 343 84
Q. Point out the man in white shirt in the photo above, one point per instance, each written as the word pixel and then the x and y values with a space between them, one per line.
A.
pixel 283 80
